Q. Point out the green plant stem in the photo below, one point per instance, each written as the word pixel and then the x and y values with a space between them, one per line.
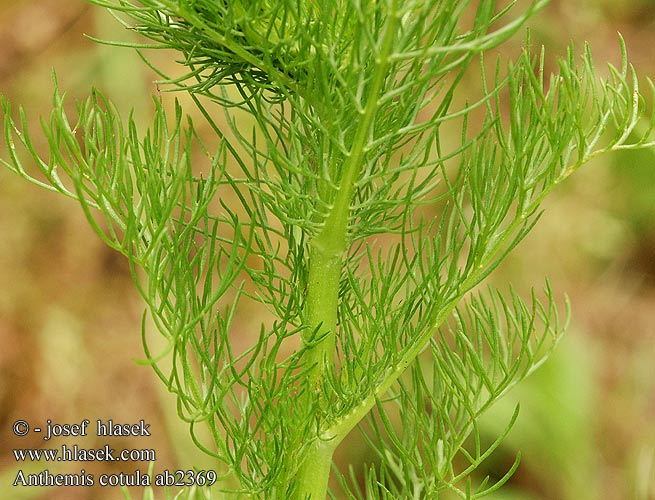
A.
pixel 321 307
pixel 325 267
pixel 330 245
pixel 314 472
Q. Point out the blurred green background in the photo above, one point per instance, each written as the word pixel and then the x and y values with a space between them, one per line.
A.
pixel 70 317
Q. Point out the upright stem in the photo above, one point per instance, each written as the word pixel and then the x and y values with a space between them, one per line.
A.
pixel 328 248
pixel 325 267
pixel 327 251
pixel 314 471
